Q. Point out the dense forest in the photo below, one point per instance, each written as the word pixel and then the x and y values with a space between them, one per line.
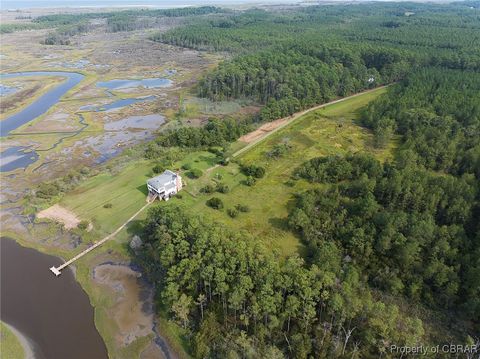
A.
pixel 291 60
pixel 243 302
pixel 437 112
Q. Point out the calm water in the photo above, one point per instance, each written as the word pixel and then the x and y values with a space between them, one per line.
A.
pixel 17 157
pixel 7 90
pixel 54 313
pixel 125 84
pixel 43 104
pixel 116 104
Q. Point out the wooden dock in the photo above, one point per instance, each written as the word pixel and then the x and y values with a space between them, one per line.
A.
pixel 57 270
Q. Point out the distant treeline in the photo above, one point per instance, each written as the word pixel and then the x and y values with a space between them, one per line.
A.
pixel 290 60
pixel 68 25
pixel 9 28
pixel 63 33
pixel 66 19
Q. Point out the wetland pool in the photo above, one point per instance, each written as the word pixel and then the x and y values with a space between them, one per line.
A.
pixel 42 104
pixel 116 104
pixel 116 84
pixel 16 156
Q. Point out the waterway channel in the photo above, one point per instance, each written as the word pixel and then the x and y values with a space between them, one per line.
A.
pixel 53 314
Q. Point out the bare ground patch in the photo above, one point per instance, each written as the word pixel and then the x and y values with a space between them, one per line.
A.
pixel 60 214
pixel 263 130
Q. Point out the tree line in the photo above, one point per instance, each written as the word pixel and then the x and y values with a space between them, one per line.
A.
pixel 437 114
pixel 238 300
pixel 68 25
pixel 216 132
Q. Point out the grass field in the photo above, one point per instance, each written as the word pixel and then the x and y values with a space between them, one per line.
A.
pixel 332 129
pixel 10 346
pixel 126 192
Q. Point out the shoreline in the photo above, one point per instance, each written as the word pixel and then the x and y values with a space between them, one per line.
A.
pixel 23 340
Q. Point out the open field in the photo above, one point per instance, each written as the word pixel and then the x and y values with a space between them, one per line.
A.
pixel 321 132
pixel 124 192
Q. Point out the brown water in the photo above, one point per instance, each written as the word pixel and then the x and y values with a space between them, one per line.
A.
pixel 54 313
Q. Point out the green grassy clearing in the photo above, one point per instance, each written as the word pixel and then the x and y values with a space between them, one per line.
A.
pixel 333 129
pixel 10 346
pixel 125 191
pixel 213 108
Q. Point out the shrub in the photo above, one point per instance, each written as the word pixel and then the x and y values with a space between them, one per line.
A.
pixel 158 168
pixel 187 166
pixel 279 150
pixel 195 173
pixel 224 161
pixel 208 189
pixel 107 205
pixel 250 181
pixel 216 151
pixel 47 190
pixel 254 171
pixel 223 188
pixel 242 208
pixel 232 212
pixel 85 171
pixel 215 203
pixel 83 225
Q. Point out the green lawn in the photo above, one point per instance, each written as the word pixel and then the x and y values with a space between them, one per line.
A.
pixel 125 191
pixel 10 347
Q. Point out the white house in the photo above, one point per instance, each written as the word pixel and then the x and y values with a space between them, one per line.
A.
pixel 165 185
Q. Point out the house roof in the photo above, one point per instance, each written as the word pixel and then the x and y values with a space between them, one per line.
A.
pixel 162 180
pixel 170 186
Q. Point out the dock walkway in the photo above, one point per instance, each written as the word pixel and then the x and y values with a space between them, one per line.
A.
pixel 57 270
